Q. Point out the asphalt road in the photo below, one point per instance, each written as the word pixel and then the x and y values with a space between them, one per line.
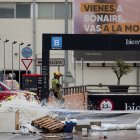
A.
pixel 108 135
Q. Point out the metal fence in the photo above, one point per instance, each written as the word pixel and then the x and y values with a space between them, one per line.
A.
pixel 74 90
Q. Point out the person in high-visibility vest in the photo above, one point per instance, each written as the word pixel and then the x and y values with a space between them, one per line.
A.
pixel 57 87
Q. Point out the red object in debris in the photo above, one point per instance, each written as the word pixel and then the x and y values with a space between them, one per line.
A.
pixel 5 91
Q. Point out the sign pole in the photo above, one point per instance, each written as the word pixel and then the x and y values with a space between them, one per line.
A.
pixel 26 71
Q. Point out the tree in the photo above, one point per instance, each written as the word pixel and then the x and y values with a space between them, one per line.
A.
pixel 120 68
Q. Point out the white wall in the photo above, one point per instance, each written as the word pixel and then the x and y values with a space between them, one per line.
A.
pixel 20 30
pixel 14 30
pixel 96 75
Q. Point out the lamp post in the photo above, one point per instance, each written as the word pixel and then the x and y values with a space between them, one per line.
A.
pixel 28 45
pixel 19 62
pixel 4 59
pixel 14 42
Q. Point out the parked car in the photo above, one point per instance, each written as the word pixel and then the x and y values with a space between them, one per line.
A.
pixel 6 93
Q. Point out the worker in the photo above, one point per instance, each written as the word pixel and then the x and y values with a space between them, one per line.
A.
pixel 57 87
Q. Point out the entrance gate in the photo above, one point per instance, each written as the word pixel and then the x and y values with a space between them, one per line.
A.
pixel 96 42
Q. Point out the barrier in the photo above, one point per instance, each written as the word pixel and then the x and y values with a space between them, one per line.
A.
pixel 10 119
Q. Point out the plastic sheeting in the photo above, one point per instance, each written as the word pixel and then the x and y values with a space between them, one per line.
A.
pixel 111 127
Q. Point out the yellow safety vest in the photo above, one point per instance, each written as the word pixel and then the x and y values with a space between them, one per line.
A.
pixel 55 88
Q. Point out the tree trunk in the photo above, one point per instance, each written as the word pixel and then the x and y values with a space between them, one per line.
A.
pixel 118 83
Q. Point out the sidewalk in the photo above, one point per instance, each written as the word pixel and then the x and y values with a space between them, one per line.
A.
pixel 108 135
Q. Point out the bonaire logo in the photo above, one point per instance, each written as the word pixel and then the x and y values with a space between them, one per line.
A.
pixel 56 42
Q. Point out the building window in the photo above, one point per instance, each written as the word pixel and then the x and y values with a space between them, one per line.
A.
pixel 15 10
pixel 45 10
pixel 6 10
pixel 70 10
pixel 54 10
pixel 59 12
pixel 22 10
pixel 49 10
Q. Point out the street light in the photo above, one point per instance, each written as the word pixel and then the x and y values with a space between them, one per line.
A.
pixel 12 62
pixel 28 45
pixel 4 59
pixel 19 62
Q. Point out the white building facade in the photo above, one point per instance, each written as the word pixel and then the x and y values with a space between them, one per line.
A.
pixel 26 20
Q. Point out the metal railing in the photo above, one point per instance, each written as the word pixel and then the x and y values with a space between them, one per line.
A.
pixel 74 90
pixel 101 89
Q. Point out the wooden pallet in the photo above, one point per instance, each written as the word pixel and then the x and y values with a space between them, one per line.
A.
pixel 50 124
